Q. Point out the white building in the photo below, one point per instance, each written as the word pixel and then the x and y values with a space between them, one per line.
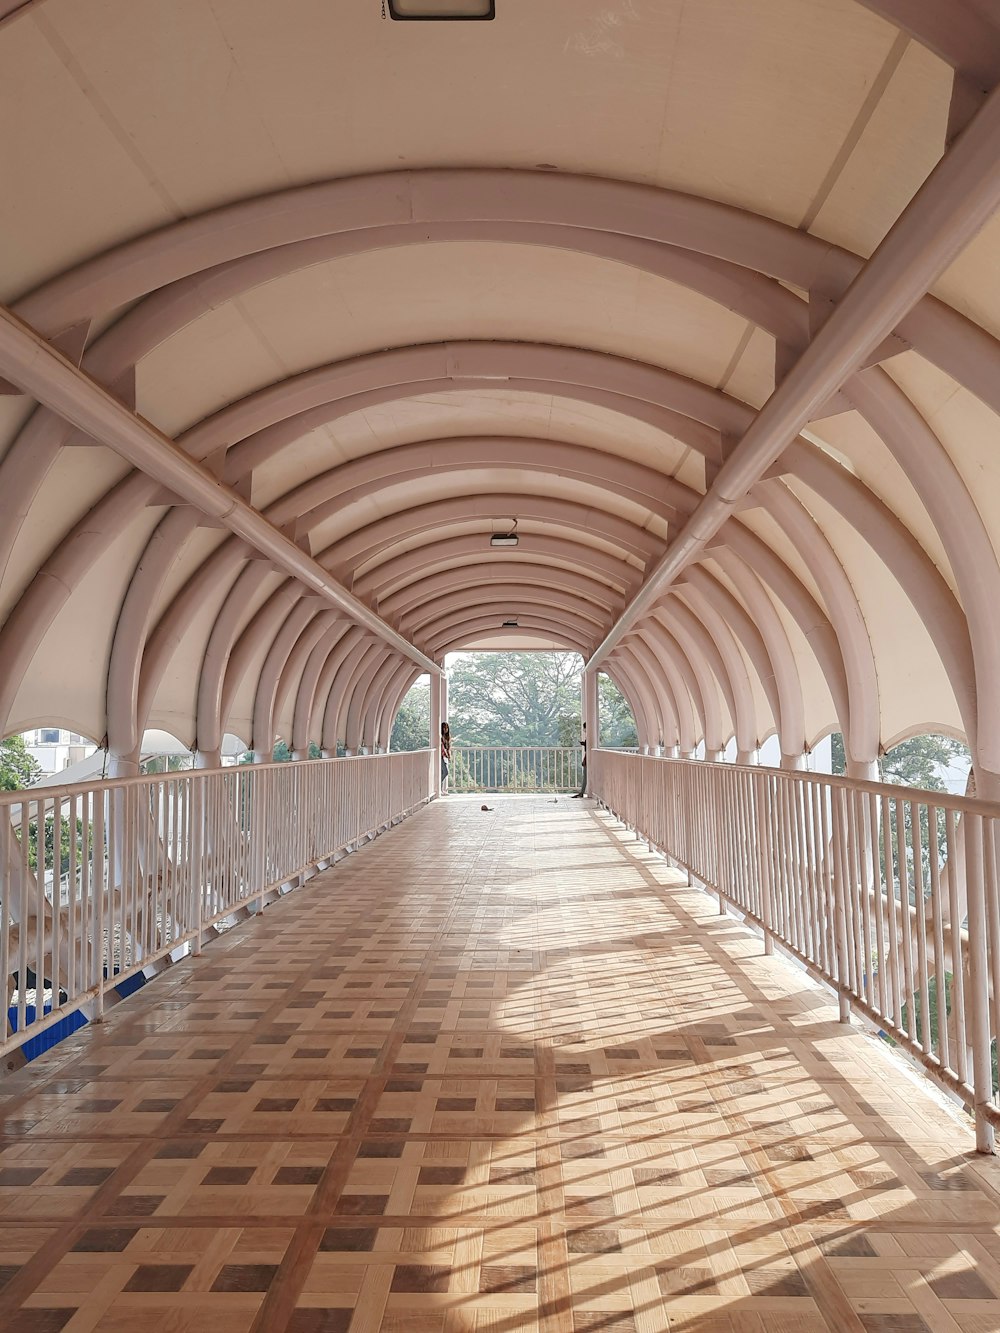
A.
pixel 56 749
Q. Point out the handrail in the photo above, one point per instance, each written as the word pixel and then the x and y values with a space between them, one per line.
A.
pixel 889 894
pixel 944 800
pixel 102 880
pixel 517 768
pixel 109 784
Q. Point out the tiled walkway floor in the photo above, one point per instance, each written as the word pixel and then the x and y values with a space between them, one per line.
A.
pixel 496 1071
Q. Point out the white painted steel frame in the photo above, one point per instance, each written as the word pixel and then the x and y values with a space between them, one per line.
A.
pixel 888 894
pixel 138 868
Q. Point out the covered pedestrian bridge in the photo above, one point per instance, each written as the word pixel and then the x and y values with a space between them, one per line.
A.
pixel 695 308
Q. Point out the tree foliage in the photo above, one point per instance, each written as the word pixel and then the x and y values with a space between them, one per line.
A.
pixel 18 767
pixel 617 719
pixel 411 729
pixel 922 761
pixel 515 699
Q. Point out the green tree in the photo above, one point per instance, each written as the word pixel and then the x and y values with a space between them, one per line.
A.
pixel 617 719
pixel 18 768
pixel 281 754
pixel 922 761
pixel 515 699
pixel 411 729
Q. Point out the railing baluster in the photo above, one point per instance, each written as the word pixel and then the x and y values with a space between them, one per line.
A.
pixel 828 867
pixel 920 927
pixel 982 1063
pixel 892 908
pixel 937 926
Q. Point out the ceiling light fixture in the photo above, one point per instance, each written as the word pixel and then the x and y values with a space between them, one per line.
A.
pixel 510 624
pixel 442 9
pixel 505 538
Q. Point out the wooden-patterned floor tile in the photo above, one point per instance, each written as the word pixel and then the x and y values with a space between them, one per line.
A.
pixel 488 1074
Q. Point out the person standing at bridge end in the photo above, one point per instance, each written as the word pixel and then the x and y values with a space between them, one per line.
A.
pixel 445 756
pixel 583 765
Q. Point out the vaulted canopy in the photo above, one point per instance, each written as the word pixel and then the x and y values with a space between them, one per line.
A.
pixel 303 303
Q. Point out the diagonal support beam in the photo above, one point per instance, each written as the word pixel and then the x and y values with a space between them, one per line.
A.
pixel 953 204
pixel 38 368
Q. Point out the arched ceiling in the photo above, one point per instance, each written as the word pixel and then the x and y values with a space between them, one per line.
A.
pixel 301 304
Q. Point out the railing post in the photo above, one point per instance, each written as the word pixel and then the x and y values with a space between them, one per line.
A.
pixel 839 812
pixel 982 1055
pixel 102 886
pixel 197 858
pixel 258 805
pixel 764 857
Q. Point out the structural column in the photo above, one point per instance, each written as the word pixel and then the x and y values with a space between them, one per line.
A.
pixel 439 704
pixel 591 714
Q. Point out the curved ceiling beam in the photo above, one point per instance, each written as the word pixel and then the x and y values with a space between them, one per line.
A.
pixel 642 383
pixel 719 642
pixel 723 613
pixel 728 673
pixel 255 642
pixel 305 694
pixel 696 397
pixel 222 564
pixel 623 672
pixel 353 663
pixel 491 572
pixel 632 237
pixel 670 712
pixel 841 601
pixel 124 735
pixel 335 663
pixel 686 680
pixel 538 548
pixel 363 700
pixel 321 629
pixel 964 536
pixel 395 527
pixel 910 565
pixel 370 706
pixel 954 203
pixel 651 687
pixel 504 601
pixel 810 617
pixel 328 493
pixel 763 615
pixel 452 452
pixel 398 688
pixel 54 380
pixel 125 274
pixel 350 720
pixel 709 232
pixel 165 638
pixel 687 384
pixel 215 659
pixel 463 626
pixel 379 536
pixel 304 613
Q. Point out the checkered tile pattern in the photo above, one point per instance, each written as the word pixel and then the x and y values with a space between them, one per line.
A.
pixel 497 1071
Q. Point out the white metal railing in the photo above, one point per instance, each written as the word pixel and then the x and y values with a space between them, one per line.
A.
pixel 889 894
pixel 514 768
pixel 100 880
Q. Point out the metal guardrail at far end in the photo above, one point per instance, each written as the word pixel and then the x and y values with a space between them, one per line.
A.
pixel 515 768
pixel 100 880
pixel 888 894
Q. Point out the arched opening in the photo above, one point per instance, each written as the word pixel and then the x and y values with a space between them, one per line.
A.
pixel 617 720
pixel 44 752
pixel 411 726
pixel 928 759
pixel 515 719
